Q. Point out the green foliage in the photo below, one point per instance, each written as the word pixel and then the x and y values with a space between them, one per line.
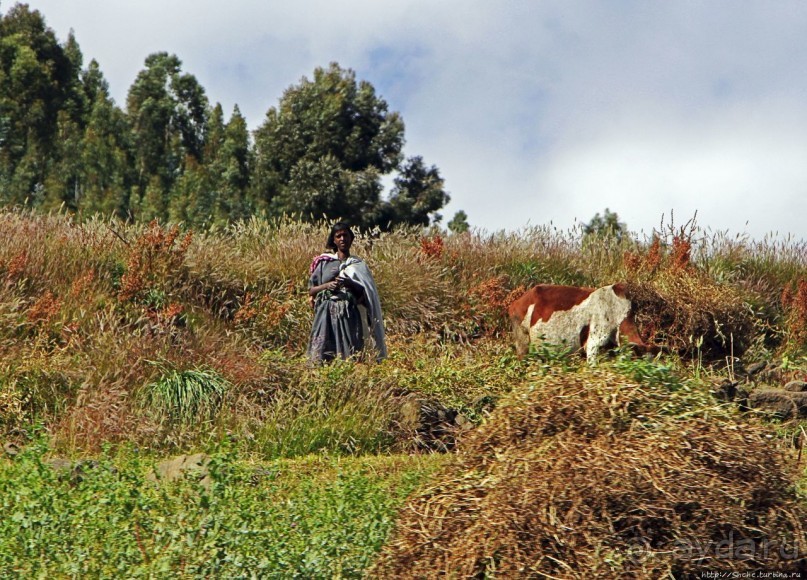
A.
pixel 37 83
pixel 227 160
pixel 416 196
pixel 459 223
pixel 323 149
pixel 549 355
pixel 606 225
pixel 64 145
pixel 651 373
pixel 314 518
pixel 168 111
pixel 106 157
pixel 671 391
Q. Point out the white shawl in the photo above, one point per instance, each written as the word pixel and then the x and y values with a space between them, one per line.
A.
pixel 372 318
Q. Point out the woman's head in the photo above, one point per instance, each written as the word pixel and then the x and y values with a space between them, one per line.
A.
pixel 336 228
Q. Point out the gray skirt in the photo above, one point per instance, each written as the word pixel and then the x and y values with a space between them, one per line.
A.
pixel 337 328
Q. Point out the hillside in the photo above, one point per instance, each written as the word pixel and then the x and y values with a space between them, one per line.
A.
pixel 125 344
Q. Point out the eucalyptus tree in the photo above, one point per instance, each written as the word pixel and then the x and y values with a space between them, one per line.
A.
pixel 106 151
pixel 63 179
pixel 168 113
pixel 215 191
pixel 228 161
pixel 38 100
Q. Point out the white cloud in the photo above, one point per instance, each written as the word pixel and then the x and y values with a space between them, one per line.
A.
pixel 739 166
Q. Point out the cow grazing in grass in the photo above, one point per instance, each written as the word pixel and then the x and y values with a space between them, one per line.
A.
pixel 575 318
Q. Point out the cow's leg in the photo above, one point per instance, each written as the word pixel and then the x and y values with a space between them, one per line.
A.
pixel 599 337
pixel 592 349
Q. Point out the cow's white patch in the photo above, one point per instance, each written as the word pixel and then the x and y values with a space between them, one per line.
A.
pixel 602 312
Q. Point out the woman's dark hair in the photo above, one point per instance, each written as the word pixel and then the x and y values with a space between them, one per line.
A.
pixel 338 226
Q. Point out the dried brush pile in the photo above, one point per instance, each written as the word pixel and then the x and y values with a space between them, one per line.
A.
pixel 681 306
pixel 581 476
pixel 690 313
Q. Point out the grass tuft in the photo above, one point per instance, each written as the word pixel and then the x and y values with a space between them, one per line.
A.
pixel 186 396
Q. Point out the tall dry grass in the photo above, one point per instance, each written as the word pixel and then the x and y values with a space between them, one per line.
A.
pixel 85 306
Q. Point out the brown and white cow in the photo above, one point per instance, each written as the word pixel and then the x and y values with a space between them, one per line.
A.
pixel 575 317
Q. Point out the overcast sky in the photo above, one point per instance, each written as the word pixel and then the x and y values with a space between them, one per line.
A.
pixel 534 111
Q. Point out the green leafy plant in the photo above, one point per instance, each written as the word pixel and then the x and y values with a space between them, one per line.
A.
pixel 549 354
pixel 308 518
pixel 651 373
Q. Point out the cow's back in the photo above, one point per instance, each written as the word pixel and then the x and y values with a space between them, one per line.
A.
pixel 538 304
pixel 546 299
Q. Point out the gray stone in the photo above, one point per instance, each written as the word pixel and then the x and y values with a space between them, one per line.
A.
pixel 780 403
pixel 463 422
pixel 428 423
pixel 11 449
pixel 755 368
pixel 60 464
pixel 726 390
pixel 796 386
pixel 195 467
pixel 76 470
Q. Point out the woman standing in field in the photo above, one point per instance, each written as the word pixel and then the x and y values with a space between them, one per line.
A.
pixel 347 311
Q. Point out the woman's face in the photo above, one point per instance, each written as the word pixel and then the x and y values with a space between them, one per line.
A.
pixel 343 239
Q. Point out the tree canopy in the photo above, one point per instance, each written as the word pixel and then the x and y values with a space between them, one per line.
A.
pixel 38 82
pixel 323 151
pixel 459 223
pixel 607 225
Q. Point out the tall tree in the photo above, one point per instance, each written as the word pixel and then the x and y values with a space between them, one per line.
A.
pixel 106 151
pixel 606 225
pixel 168 113
pixel 227 159
pixel 323 150
pixel 215 192
pixel 459 223
pixel 64 171
pixel 322 188
pixel 192 198
pixel 37 83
